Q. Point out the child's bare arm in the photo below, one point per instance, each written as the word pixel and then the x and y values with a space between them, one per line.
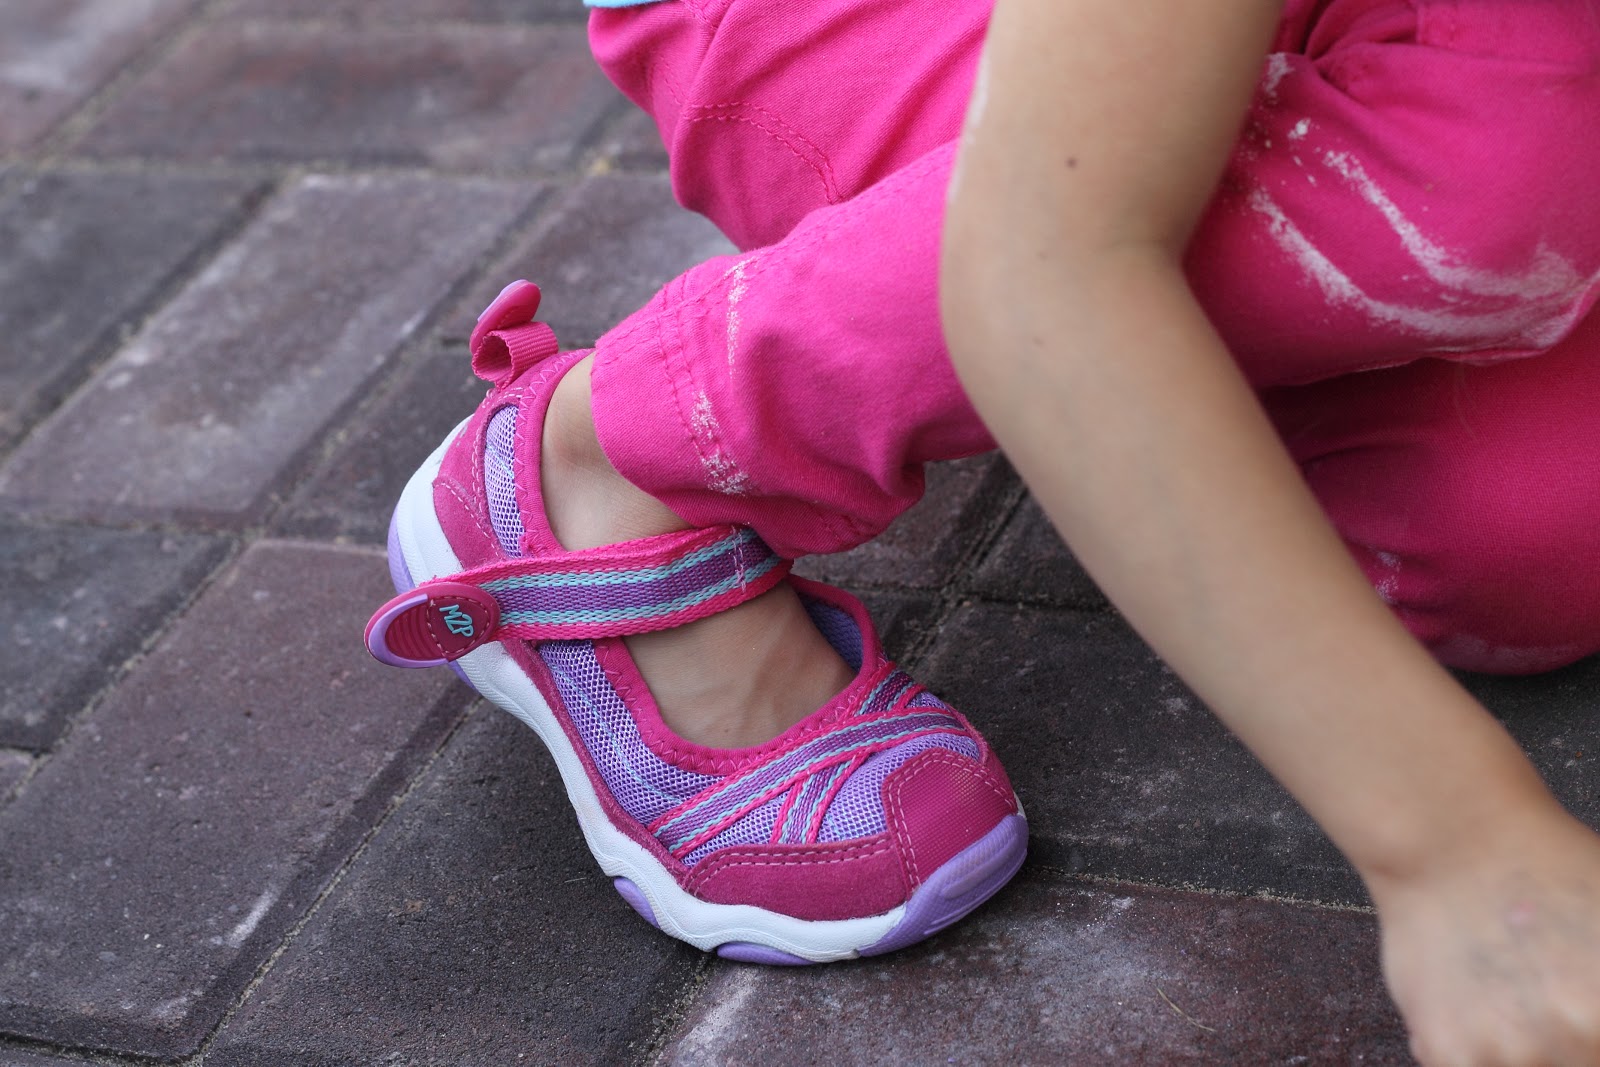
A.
pixel 1093 144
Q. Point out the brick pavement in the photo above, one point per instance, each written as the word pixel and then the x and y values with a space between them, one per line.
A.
pixel 240 247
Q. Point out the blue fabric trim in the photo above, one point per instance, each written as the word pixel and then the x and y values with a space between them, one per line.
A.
pixel 619 3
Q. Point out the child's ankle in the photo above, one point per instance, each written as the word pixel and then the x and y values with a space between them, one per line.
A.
pixel 587 501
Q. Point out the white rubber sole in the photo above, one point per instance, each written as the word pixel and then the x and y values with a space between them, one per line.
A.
pixel 497 676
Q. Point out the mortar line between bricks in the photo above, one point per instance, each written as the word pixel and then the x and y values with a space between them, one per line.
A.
pixel 395 803
pixel 1287 899
pixel 414 23
pixel 1057 607
pixel 669 1025
pixel 953 593
pixel 424 343
pixel 295 166
pixel 284 170
pixel 76 122
pixel 198 1056
pixel 8 795
pixel 37 1047
pixel 601 163
pixel 235 548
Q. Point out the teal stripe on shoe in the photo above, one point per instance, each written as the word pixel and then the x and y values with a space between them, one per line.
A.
pixel 731 543
pixel 572 616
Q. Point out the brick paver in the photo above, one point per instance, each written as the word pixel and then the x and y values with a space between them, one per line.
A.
pixel 162 854
pixel 80 602
pixel 458 97
pixel 475 930
pixel 404 11
pixel 204 413
pixel 633 143
pixel 1123 772
pixel 14 765
pixel 54 53
pixel 1556 717
pixel 1029 564
pixel 83 255
pixel 18 1058
pixel 605 250
pixel 923 547
pixel 1052 972
pixel 352 492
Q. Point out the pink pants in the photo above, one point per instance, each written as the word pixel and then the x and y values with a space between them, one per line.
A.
pixel 1402 256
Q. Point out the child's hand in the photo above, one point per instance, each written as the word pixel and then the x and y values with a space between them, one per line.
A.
pixel 1497 961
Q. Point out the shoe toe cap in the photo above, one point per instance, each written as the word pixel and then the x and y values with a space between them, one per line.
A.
pixel 938 803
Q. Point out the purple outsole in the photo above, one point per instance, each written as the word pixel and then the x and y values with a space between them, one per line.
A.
pixel 636 900
pixel 966 880
pixel 745 952
pixel 400 575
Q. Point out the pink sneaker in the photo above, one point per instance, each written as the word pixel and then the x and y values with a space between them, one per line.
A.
pixel 876 821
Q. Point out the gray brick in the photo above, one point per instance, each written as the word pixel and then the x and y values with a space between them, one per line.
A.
pixel 216 401
pixel 13 767
pixel 1123 772
pixel 411 10
pixel 1556 717
pixel 476 930
pixel 1028 563
pixel 905 621
pixel 54 53
pixel 160 856
pixel 81 601
pixel 924 546
pixel 633 143
pixel 469 97
pixel 351 494
pixel 10 1057
pixel 84 254
pixel 1051 972
pixel 602 252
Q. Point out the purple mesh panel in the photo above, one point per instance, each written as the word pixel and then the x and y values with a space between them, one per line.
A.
pixel 839 629
pixel 857 808
pixel 754 829
pixel 499 478
pixel 740 790
pixel 926 699
pixel 643 783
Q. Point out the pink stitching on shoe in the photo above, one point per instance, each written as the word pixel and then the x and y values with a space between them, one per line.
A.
pixel 758 799
pixel 454 490
pixel 783 812
pixel 821 813
pixel 855 852
pixel 894 804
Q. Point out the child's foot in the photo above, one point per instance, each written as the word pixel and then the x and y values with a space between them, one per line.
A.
pixel 881 818
pixel 732 680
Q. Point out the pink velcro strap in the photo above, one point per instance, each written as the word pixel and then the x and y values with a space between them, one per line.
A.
pixel 636 587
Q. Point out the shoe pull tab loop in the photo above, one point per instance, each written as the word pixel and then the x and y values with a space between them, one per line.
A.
pixel 506 340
